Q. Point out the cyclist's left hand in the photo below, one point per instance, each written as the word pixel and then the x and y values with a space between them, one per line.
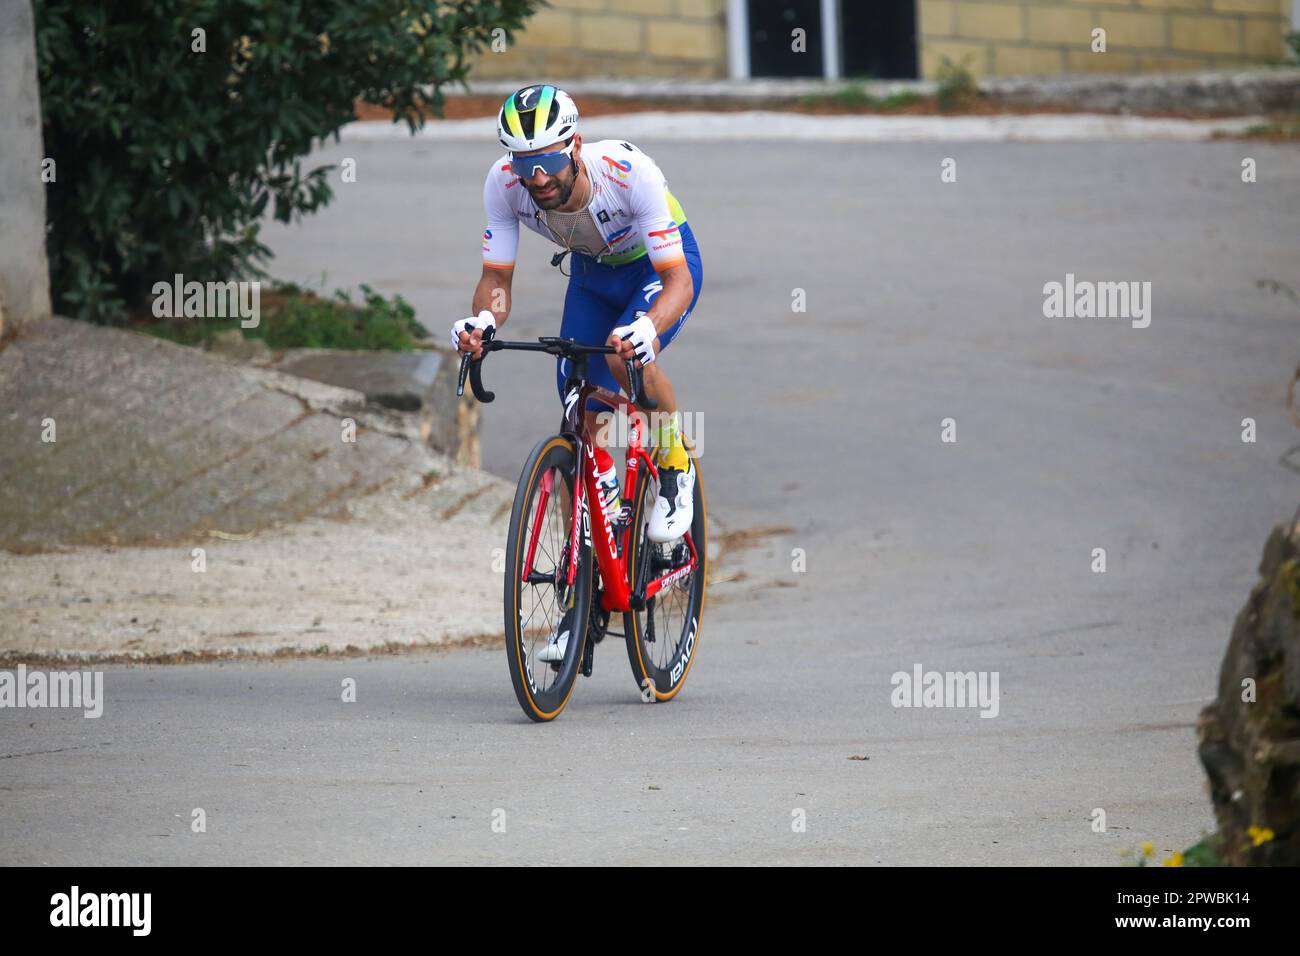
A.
pixel 635 341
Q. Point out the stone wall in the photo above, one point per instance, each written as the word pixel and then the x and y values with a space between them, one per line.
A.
pixel 665 39
pixel 687 39
pixel 1250 735
pixel 24 275
pixel 1047 37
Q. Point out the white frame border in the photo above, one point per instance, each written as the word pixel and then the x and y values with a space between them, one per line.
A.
pixel 738 39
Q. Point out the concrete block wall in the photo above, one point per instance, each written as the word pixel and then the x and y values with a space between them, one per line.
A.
pixel 665 39
pixel 1010 37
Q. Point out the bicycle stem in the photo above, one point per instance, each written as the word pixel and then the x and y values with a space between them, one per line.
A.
pixel 564 348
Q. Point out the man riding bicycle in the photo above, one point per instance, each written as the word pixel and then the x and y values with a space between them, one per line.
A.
pixel 635 268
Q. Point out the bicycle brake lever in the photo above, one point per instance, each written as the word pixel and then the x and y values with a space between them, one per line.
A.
pixel 636 388
pixel 476 372
pixel 464 370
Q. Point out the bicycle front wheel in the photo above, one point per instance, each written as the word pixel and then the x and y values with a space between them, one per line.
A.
pixel 540 602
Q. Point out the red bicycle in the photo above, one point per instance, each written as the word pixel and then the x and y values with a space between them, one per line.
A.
pixel 551 586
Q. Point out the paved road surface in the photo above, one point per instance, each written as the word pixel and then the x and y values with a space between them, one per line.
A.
pixel 924 302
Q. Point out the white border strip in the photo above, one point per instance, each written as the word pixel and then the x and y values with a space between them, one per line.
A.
pixel 738 39
pixel 830 39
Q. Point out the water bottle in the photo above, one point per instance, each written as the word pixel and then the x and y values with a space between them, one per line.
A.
pixel 608 492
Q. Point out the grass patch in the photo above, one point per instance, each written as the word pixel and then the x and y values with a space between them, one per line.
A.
pixel 1282 130
pixel 901 100
pixel 856 97
pixel 292 317
pixel 1205 853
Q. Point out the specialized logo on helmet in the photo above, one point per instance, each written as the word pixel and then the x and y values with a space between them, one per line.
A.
pixel 536 116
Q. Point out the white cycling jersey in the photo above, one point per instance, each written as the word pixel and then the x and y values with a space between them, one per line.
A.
pixel 630 205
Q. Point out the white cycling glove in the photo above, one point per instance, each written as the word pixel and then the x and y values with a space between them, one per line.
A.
pixel 484 320
pixel 641 334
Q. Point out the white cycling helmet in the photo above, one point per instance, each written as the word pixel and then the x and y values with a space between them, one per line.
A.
pixel 536 116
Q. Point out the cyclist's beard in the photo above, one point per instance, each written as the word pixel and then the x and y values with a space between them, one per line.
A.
pixel 562 196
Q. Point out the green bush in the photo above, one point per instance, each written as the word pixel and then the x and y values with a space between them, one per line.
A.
pixel 956 85
pixel 171 144
pixel 302 321
pixel 294 318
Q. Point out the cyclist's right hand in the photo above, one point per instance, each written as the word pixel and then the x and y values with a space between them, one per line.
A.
pixel 467 334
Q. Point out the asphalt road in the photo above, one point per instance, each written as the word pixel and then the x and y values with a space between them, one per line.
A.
pixel 924 302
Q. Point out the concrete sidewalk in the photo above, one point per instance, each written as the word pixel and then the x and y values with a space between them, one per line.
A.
pixel 154 442
pixel 385 572
pixel 187 504
pixel 768 126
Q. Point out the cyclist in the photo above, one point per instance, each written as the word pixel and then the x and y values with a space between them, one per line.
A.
pixel 635 267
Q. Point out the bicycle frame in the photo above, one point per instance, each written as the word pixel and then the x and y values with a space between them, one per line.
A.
pixel 616 594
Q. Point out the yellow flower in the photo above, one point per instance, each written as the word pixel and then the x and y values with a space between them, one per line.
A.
pixel 1148 849
pixel 1175 860
pixel 1260 834
pixel 324 40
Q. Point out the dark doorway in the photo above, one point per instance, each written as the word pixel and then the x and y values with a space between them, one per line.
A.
pixel 770 24
pixel 878 39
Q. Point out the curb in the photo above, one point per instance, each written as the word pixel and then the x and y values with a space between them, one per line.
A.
pixel 1247 91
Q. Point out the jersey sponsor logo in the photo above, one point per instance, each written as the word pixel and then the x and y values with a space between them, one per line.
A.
pixel 514 180
pixel 602 216
pixel 617 237
pixel 621 168
pixel 672 227
pixel 614 181
pixel 487 233
pixel 652 289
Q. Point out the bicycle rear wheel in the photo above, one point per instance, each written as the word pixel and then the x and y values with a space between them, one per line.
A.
pixel 662 638
pixel 538 597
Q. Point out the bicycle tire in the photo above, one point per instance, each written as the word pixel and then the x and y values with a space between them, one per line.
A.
pixel 661 681
pixel 539 701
